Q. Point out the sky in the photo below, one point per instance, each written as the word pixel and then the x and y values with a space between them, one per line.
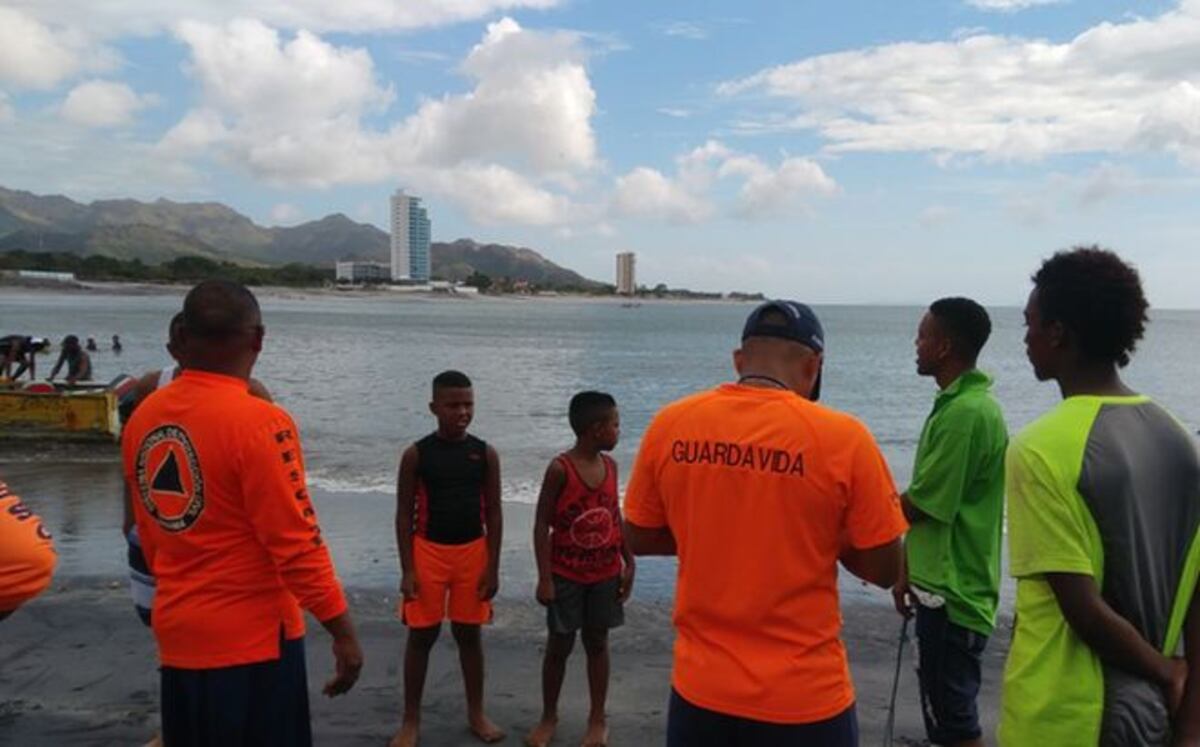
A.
pixel 852 152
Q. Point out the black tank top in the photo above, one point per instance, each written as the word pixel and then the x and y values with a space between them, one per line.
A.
pixel 450 479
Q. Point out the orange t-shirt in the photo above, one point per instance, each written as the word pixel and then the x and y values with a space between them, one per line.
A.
pixel 761 488
pixel 226 523
pixel 27 555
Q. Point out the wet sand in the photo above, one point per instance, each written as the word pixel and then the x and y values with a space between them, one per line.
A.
pixel 78 669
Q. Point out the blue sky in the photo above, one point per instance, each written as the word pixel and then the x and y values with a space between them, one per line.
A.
pixel 833 152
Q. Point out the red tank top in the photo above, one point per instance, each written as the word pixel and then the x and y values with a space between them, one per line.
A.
pixel 586 533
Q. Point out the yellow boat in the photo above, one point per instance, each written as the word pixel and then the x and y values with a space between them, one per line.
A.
pixel 46 412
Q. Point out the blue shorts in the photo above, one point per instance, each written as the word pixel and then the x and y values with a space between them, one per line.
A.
pixel 948 669
pixel 252 705
pixel 690 725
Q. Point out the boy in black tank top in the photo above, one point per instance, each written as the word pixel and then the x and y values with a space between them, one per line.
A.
pixel 448 529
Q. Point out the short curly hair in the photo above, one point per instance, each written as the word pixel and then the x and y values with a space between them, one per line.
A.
pixel 1098 297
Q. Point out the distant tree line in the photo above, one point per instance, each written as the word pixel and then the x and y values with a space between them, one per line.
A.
pixel 186 269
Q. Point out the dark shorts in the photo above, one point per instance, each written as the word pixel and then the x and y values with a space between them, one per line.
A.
pixel 690 725
pixel 948 669
pixel 252 705
pixel 591 606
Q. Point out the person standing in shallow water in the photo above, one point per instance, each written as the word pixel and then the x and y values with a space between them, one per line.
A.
pixel 759 659
pixel 1103 530
pixel 585 569
pixel 955 504
pixel 448 530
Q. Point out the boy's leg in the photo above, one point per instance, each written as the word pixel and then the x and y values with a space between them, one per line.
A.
pixel 595 643
pixel 416 665
pixel 602 611
pixel 470 657
pixel 554 669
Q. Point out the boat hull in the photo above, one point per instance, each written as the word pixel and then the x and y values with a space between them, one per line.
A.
pixel 60 416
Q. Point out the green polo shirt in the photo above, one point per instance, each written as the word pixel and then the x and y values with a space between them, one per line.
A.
pixel 958 483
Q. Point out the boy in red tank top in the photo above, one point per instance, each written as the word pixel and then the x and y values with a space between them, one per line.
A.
pixel 585 572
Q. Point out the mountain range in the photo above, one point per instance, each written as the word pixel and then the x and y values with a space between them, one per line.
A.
pixel 160 231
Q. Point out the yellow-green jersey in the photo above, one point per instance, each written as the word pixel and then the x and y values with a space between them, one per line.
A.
pixel 1107 487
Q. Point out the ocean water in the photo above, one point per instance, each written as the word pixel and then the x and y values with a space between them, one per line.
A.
pixel 355 372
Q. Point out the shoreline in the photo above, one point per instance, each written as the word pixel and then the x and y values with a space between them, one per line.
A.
pixel 122 288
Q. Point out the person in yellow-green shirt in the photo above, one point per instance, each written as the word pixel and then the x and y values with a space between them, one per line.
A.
pixel 955 505
pixel 1104 530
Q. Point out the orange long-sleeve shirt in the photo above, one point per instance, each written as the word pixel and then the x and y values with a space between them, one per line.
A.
pixel 226 523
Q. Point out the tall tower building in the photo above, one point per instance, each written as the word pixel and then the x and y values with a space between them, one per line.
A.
pixel 410 238
pixel 626 282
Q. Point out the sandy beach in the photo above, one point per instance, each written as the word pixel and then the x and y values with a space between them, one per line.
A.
pixel 79 669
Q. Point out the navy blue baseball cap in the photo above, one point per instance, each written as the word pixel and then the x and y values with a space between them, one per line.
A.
pixel 799 324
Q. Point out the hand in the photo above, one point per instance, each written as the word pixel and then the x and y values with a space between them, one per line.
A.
pixel 348 662
pixel 626 587
pixel 408 586
pixel 489 584
pixel 545 591
pixel 903 597
pixel 1177 685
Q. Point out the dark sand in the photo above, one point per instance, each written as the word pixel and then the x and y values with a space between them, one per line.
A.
pixel 78 669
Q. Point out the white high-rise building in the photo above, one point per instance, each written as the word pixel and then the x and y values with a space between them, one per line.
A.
pixel 410 238
pixel 626 281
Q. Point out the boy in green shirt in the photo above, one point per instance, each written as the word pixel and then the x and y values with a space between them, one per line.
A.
pixel 1103 530
pixel 955 505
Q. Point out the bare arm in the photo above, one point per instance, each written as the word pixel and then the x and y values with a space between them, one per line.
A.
pixel 649 540
pixel 1187 723
pixel 406 492
pixel 347 654
pixel 552 485
pixel 494 516
pixel 1109 635
pixel 62 358
pixel 880 565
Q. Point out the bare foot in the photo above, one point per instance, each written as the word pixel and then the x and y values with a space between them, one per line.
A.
pixel 485 731
pixel 155 742
pixel 409 732
pixel 542 734
pixel 596 734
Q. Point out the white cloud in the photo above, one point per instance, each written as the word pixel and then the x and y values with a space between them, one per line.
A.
pixel 102 103
pixel 532 102
pixel 292 111
pixel 492 194
pixel 36 56
pixel 1117 87
pixel 286 213
pixel 112 19
pixel 675 112
pixel 1010 6
pixel 686 30
pixel 765 191
pixel 646 193
pixel 772 192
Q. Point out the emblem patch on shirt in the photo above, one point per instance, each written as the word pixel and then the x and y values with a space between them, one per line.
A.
pixel 170 484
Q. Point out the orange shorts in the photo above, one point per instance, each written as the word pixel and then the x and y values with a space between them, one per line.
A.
pixel 447 584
